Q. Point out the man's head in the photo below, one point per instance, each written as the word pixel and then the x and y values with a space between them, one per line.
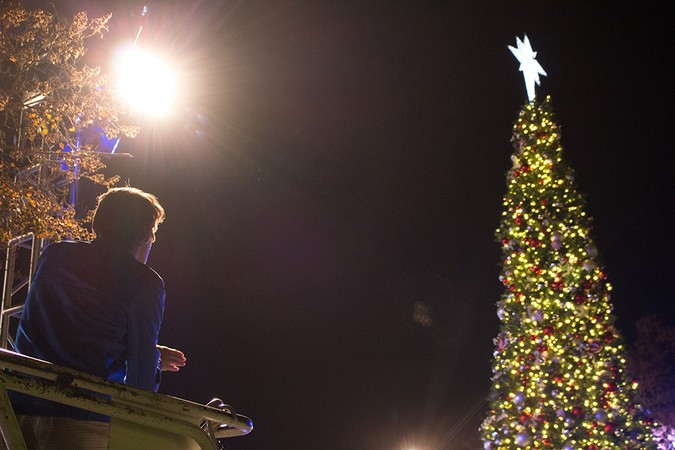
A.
pixel 128 216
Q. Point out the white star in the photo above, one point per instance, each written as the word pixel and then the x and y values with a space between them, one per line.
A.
pixel 528 65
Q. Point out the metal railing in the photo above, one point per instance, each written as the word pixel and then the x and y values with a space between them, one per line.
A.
pixel 11 307
pixel 140 420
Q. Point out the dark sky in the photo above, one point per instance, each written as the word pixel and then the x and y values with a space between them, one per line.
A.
pixel 349 164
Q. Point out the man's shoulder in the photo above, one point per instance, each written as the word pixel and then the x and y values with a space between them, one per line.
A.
pixel 68 244
pixel 102 256
pixel 62 248
pixel 150 276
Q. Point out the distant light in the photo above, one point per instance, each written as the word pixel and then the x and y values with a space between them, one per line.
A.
pixel 412 444
pixel 144 81
pixel 31 99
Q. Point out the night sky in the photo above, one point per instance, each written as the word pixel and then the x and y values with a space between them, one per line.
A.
pixel 337 167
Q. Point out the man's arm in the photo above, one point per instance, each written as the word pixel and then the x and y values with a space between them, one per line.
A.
pixel 143 356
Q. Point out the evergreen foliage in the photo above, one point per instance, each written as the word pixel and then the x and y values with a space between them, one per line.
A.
pixel 559 370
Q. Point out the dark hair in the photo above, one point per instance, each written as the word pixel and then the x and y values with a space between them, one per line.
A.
pixel 126 216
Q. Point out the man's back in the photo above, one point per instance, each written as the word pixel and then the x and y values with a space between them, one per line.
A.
pixel 95 308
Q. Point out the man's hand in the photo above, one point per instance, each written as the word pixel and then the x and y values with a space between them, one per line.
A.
pixel 172 359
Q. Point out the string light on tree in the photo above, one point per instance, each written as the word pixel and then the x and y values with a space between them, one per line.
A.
pixel 559 370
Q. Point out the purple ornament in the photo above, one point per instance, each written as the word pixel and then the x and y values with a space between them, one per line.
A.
pixel 556 241
pixel 523 439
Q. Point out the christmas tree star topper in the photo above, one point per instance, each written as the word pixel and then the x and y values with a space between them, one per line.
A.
pixel 528 64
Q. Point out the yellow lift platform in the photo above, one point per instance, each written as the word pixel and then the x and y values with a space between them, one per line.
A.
pixel 140 420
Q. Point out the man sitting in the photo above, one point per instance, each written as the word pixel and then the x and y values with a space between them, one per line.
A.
pixel 95 307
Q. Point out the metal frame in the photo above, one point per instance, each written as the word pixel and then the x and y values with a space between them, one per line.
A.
pixel 147 413
pixel 8 309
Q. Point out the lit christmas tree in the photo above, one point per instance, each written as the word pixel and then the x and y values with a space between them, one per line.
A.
pixel 559 371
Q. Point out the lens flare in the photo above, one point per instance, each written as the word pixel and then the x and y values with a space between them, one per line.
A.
pixel 146 82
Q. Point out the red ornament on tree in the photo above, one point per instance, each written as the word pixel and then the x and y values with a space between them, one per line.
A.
pixel 594 346
pixel 557 285
pixel 578 412
pixel 579 298
pixel 608 336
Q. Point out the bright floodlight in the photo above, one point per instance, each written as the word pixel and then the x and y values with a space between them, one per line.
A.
pixel 144 81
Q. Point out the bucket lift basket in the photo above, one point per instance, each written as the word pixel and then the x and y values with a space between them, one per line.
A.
pixel 140 419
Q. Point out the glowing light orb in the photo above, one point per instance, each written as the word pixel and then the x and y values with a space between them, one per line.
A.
pixel 146 82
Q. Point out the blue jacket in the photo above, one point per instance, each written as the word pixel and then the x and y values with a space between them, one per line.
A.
pixel 92 307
